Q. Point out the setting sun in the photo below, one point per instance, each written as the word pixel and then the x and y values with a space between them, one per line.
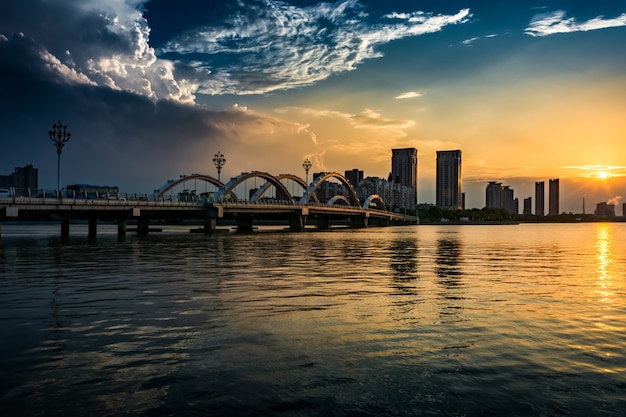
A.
pixel 603 175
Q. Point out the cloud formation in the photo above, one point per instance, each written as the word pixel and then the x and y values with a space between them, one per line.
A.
pixel 545 24
pixel 409 94
pixel 270 45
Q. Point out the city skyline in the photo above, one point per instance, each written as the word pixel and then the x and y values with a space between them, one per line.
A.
pixel 151 90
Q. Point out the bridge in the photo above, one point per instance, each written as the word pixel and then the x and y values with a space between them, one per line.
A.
pixel 271 201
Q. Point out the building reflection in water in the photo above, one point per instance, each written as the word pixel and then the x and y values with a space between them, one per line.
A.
pixel 403 255
pixel 449 274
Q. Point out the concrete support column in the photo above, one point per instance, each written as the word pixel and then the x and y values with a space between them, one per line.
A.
pixel 65 228
pixel 244 223
pixel 297 222
pixel 143 224
pixel 121 228
pixel 92 228
pixel 322 222
pixel 210 224
pixel 359 222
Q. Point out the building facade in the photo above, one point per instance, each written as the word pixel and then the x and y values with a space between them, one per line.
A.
pixel 502 197
pixel 404 171
pixel 355 176
pixel 540 204
pixel 553 202
pixel 528 206
pixel 22 179
pixel 449 192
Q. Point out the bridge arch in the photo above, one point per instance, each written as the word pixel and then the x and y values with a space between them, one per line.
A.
pixel 281 190
pixel 160 192
pixel 374 200
pixel 353 199
pixel 281 177
pixel 338 199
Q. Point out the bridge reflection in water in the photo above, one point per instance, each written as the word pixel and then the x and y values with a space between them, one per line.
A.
pixel 271 202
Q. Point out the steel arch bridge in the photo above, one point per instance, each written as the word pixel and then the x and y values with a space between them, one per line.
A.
pixel 281 177
pixel 352 198
pixel 160 192
pixel 227 191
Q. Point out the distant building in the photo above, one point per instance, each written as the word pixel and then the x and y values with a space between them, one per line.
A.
pixel 623 209
pixel 553 198
pixel 540 204
pixel 605 210
pixel 528 204
pixel 493 195
pixel 449 194
pixel 499 196
pixel 355 176
pixel 404 170
pixel 22 179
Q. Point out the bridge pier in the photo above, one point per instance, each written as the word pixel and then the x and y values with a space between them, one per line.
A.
pixel 210 225
pixel 244 223
pixel 359 222
pixel 121 229
pixel 65 229
pixel 143 225
pixel 92 228
pixel 322 222
pixel 297 222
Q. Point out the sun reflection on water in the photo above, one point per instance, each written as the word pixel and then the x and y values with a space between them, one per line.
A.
pixel 604 258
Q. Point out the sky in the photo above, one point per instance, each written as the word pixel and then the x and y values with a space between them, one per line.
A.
pixel 151 90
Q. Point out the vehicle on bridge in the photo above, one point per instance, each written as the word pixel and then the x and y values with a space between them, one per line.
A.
pixel 90 191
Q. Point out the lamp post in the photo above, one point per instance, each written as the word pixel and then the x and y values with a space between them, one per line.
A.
pixel 307 166
pixel 219 162
pixel 59 136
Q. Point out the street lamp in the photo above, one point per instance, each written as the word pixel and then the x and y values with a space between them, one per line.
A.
pixel 306 165
pixel 59 136
pixel 219 162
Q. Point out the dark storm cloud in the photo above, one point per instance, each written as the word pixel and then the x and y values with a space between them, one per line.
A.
pixel 117 136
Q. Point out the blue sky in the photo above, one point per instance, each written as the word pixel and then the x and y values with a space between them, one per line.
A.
pixel 152 89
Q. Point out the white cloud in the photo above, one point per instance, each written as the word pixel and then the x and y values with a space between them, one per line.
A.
pixel 409 94
pixel 556 22
pixel 274 45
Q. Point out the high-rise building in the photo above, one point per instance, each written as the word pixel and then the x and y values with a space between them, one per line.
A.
pixel 404 169
pixel 499 196
pixel 540 193
pixel 553 198
pixel 355 176
pixel 528 205
pixel 22 178
pixel 493 195
pixel 449 193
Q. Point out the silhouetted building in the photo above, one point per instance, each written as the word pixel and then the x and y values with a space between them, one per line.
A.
pixel 623 209
pixel 449 194
pixel 605 210
pixel 499 196
pixel 354 176
pixel 528 204
pixel 493 195
pixel 22 179
pixel 540 204
pixel 553 198
pixel 404 170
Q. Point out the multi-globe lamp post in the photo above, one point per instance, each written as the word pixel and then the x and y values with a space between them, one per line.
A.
pixel 59 136
pixel 219 162
pixel 307 166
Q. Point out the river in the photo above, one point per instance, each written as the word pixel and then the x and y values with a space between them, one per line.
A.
pixel 515 320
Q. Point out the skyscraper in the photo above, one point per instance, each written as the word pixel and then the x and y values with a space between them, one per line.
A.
pixel 540 193
pixel 553 198
pixel 449 180
pixel 404 168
